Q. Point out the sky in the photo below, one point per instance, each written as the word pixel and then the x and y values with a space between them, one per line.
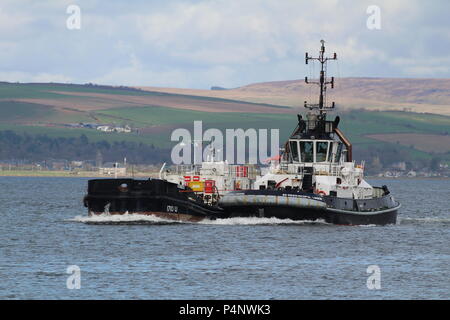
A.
pixel 228 43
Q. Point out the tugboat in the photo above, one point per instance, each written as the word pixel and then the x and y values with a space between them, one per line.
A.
pixel 314 178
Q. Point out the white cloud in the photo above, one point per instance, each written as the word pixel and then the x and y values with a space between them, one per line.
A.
pixel 135 73
pixel 217 42
pixel 20 76
pixel 417 67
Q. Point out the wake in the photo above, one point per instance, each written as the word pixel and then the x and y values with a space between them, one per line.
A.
pixel 261 221
pixel 127 218
pixel 131 218
pixel 426 220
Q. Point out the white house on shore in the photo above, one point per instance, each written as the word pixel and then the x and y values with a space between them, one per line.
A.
pixel 113 168
pixel 125 129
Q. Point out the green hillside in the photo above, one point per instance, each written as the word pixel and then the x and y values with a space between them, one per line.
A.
pixel 153 124
pixel 23 111
pixel 62 91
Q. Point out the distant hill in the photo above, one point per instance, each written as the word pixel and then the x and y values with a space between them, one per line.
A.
pixel 417 95
pixel 48 113
pixel 86 98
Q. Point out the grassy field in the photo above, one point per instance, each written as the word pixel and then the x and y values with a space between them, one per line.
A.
pixel 22 111
pixel 439 144
pixel 63 91
pixel 154 115
pixel 92 135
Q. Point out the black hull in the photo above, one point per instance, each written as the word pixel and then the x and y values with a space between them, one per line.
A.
pixel 297 205
pixel 149 197
pixel 296 214
pixel 166 200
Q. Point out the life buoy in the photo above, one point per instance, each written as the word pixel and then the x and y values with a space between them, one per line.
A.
pixel 321 192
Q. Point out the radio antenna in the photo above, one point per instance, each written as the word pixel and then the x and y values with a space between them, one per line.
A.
pixel 321 106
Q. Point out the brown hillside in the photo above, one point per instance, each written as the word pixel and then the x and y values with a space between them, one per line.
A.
pixel 418 95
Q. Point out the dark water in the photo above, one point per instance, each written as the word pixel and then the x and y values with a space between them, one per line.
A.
pixel 43 232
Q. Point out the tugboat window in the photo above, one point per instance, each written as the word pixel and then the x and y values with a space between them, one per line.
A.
pixel 294 150
pixel 338 153
pixel 321 151
pixel 307 151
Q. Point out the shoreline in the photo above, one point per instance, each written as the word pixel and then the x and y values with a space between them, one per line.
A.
pixel 406 178
pixel 71 174
pixel 93 174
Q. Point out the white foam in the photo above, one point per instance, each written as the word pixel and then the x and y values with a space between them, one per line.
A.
pixel 259 221
pixel 122 218
pixel 130 218
pixel 424 220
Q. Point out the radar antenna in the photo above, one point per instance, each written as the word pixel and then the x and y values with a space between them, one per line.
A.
pixel 321 106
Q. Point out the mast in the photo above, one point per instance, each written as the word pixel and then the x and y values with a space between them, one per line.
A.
pixel 321 106
pixel 316 126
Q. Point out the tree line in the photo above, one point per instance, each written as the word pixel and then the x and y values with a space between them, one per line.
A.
pixel 42 147
pixel 35 148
